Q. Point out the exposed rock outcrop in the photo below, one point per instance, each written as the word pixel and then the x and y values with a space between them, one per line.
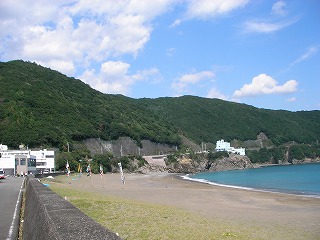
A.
pixel 126 146
pixel 147 169
pixel 306 160
pixel 187 165
pixel 231 163
pixel 262 141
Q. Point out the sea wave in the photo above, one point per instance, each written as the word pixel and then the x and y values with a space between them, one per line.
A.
pixel 187 177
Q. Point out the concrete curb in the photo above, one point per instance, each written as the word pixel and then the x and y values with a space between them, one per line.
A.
pixel 49 216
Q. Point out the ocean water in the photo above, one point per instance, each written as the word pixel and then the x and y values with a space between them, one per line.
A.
pixel 303 179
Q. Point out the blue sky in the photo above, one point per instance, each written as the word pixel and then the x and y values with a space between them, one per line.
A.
pixel 258 52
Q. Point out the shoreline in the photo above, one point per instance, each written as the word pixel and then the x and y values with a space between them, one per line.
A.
pixel 249 188
pixel 203 181
pixel 252 209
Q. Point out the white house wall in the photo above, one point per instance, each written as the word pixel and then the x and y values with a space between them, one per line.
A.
pixel 221 145
pixel 7 161
pixel 46 156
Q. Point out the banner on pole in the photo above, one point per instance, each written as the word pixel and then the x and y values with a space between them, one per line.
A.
pixel 68 170
pixel 88 170
pixel 121 172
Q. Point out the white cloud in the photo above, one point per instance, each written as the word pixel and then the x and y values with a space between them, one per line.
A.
pixel 264 84
pixel 181 84
pixel 75 32
pixel 100 9
pixel 66 67
pixel 309 53
pixel 272 23
pixel 30 11
pixel 114 70
pixel 263 26
pixel 177 22
pixel 170 52
pixel 151 75
pixel 292 99
pixel 207 8
pixel 113 77
pixel 214 93
pixel 278 8
pixel 196 77
pixel 129 34
pixel 47 47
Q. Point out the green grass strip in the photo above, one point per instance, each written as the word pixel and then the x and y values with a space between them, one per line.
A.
pixel 133 219
pixel 139 220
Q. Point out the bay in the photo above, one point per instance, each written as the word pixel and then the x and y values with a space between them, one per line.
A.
pixel 303 179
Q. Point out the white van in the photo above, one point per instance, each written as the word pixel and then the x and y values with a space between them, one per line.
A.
pixel 2 173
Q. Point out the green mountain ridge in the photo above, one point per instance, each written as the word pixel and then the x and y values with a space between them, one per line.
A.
pixel 42 107
pixel 213 119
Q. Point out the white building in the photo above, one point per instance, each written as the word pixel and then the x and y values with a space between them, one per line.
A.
pixel 221 145
pixel 3 147
pixel 45 160
pixel 7 162
pixel 26 161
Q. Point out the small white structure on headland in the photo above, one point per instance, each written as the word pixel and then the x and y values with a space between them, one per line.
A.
pixel 225 146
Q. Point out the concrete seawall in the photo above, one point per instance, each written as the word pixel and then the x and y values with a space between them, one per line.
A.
pixel 49 216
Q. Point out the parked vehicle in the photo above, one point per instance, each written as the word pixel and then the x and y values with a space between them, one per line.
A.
pixel 2 176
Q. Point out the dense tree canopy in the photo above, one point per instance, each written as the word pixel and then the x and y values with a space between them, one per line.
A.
pixel 209 120
pixel 42 107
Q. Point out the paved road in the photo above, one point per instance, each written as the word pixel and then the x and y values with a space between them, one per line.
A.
pixel 10 190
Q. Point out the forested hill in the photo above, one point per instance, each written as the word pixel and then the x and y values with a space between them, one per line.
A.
pixel 209 120
pixel 39 106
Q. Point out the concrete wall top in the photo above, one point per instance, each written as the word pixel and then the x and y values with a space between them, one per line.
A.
pixel 49 216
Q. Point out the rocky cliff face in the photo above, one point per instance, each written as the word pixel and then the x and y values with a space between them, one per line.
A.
pixel 306 160
pixel 262 141
pixel 187 165
pixel 232 162
pixel 126 146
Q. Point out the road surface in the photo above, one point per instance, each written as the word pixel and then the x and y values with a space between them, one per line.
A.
pixel 10 199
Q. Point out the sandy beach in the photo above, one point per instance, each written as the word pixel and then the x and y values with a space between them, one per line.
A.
pixel 297 215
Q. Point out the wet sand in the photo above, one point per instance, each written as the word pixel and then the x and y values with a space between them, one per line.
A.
pixel 245 207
